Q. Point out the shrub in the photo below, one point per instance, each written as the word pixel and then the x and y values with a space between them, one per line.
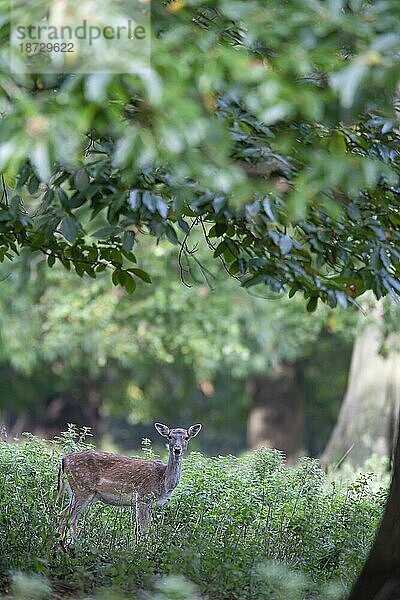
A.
pixel 243 528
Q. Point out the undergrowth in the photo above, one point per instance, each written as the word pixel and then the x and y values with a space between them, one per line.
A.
pixel 235 528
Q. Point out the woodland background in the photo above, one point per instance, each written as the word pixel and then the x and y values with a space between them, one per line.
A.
pixel 209 236
pixel 256 370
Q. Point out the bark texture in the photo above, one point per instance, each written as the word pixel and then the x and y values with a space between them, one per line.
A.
pixel 368 416
pixel 380 577
pixel 276 416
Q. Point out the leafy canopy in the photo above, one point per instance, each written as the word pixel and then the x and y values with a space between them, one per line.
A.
pixel 269 127
pixel 87 325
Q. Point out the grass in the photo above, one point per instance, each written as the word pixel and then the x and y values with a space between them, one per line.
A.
pixel 235 528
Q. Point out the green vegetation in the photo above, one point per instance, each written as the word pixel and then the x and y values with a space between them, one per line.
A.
pixel 269 130
pixel 89 341
pixel 243 528
pixel 282 152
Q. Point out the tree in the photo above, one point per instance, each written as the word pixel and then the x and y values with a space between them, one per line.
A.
pixel 284 153
pixel 368 415
pixel 89 341
pixel 276 417
pixel 380 577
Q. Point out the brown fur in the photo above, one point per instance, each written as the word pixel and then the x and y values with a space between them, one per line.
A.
pixel 107 473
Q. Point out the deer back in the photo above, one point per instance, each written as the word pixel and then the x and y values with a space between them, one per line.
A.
pixel 107 475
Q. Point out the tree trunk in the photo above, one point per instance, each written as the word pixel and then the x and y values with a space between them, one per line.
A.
pixel 366 420
pixel 276 416
pixel 380 577
pixel 81 405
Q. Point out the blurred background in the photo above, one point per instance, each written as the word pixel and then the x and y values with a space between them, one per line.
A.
pixel 255 368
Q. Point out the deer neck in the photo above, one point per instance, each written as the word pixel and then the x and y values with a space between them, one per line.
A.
pixel 172 473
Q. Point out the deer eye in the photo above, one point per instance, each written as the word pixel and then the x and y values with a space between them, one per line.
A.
pixel 170 437
pixel 187 437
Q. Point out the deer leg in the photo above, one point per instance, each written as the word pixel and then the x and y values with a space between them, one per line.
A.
pixel 143 515
pixel 78 510
pixel 65 516
pixel 70 515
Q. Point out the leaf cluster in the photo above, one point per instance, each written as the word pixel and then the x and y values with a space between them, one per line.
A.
pixel 282 151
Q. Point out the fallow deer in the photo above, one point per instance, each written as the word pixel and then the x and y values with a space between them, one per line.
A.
pixel 120 480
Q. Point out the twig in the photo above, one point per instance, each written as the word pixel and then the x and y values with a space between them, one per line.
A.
pixel 345 455
pixel 185 249
pixel 89 146
pixel 4 195
pixel 212 247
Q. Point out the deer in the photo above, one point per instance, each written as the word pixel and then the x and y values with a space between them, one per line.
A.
pixel 119 480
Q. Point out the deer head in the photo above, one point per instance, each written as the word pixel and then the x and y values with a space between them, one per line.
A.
pixel 177 438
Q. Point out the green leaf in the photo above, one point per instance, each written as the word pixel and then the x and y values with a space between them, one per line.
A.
pixel 312 304
pixel 337 143
pixel 76 201
pixel 232 247
pixel 129 284
pixel 128 239
pixel 10 180
pixel 115 276
pixel 220 249
pixel 106 232
pixel 141 274
pixel 15 205
pixel 116 202
pixel 81 180
pixel 70 227
pixel 61 196
pixel 80 269
pixel 285 244
pixel 220 229
pixel 24 175
pixel 234 268
pixel 116 256
pixel 183 225
pixel 129 256
pixel 171 234
pixel 66 263
pixel 33 184
pixel 92 254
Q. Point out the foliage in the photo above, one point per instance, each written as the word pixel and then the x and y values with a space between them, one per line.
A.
pixel 282 151
pixel 245 527
pixel 205 343
pixel 87 324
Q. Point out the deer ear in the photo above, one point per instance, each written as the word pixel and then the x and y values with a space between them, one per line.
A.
pixel 194 430
pixel 162 429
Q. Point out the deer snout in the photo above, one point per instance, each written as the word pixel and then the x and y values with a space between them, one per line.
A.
pixel 177 450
